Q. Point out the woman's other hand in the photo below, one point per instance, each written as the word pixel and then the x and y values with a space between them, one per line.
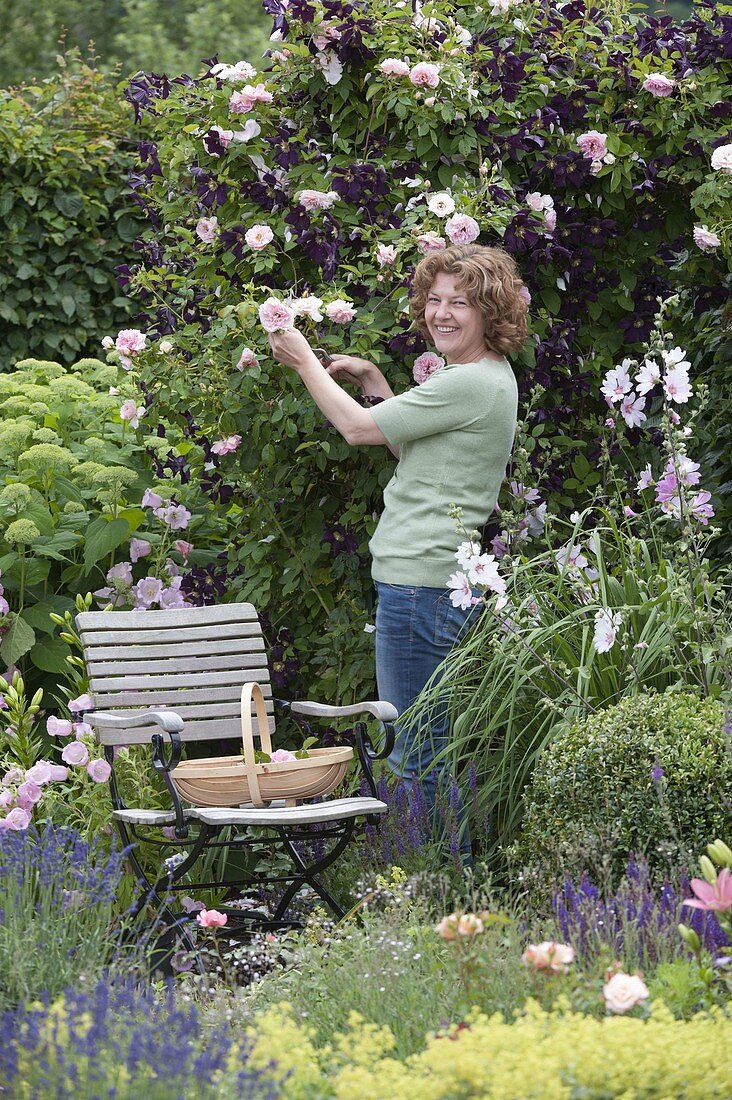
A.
pixel 291 348
pixel 349 368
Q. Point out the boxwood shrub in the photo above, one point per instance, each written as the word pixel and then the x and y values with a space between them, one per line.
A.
pixel 650 776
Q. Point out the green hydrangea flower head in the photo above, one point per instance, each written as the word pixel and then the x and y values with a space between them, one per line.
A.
pixel 95 448
pixel 15 405
pixel 73 507
pixel 15 497
pixel 48 456
pixel 71 388
pixel 43 370
pixel 96 372
pixel 22 532
pixel 15 435
pixel 46 435
pixel 38 409
pixel 116 476
pixel 88 472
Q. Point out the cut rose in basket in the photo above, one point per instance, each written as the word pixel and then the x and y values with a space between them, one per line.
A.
pixel 285 756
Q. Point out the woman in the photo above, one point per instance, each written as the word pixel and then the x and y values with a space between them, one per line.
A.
pixel 453 436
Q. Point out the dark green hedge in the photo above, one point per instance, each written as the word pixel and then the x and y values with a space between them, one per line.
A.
pixel 66 214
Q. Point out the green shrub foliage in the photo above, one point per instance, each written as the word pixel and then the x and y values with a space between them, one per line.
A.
pixel 649 776
pixel 66 213
pixel 499 132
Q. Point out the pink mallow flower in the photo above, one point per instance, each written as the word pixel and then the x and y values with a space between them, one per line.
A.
pixel 631 410
pixel 593 144
pixel 258 237
pixel 211 918
pixel 226 446
pixel 712 897
pixel 424 75
pixel 461 594
pixel 659 84
pixel 276 316
pixel 76 754
pixel 426 365
pixel 462 229
pixel 151 500
pixel 81 704
pixel 700 508
pixel 607 625
pixel 99 770
pixel 616 384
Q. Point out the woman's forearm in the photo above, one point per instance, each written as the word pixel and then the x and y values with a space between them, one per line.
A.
pixel 375 385
pixel 355 423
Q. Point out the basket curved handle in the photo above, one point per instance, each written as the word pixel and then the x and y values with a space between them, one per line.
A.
pixel 249 692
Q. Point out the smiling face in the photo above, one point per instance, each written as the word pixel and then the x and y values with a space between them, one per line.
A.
pixel 455 325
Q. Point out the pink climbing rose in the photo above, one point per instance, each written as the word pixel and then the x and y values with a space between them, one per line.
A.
pixel 426 365
pixel 276 316
pixel 593 144
pixel 424 75
pixel 659 84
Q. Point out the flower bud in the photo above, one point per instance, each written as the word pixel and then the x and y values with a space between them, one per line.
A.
pixel 708 870
pixel 720 853
pixel 690 938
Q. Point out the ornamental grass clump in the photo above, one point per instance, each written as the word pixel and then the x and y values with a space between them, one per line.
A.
pixel 58 893
pixel 648 776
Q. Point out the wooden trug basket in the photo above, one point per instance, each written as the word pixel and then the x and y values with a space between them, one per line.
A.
pixel 233 780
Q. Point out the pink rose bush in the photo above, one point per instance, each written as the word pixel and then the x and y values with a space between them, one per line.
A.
pixel 258 237
pixel 426 365
pixel 659 85
pixel 211 918
pixel 548 957
pixel 623 992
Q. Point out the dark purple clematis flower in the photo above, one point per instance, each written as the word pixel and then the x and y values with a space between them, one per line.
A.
pixel 282 668
pixel 233 240
pixel 340 539
pixel 266 191
pixel 523 233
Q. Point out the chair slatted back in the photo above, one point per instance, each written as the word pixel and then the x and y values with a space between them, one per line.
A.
pixel 191 660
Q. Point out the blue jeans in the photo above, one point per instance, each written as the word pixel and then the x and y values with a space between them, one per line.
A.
pixel 415 630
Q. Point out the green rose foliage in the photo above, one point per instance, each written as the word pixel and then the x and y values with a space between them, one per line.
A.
pixel 649 776
pixel 502 124
pixel 72 477
pixel 66 213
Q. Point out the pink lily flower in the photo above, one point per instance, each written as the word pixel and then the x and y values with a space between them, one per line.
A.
pixel 715 897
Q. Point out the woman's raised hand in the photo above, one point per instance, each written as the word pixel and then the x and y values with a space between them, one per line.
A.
pixel 349 368
pixel 290 348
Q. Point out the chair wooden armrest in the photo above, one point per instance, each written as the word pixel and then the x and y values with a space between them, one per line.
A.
pixel 101 720
pixel 385 712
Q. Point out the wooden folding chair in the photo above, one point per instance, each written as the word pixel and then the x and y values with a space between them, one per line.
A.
pixel 185 668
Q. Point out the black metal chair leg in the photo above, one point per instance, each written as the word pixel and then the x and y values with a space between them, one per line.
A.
pixel 309 874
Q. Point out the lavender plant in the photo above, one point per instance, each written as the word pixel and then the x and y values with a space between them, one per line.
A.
pixel 58 893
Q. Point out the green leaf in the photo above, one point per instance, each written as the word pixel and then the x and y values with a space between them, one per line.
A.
pixel 68 304
pixel 102 537
pixel 17 641
pixel 39 614
pixel 69 204
pixel 50 655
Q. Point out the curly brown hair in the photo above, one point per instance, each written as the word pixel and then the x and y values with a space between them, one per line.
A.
pixel 491 281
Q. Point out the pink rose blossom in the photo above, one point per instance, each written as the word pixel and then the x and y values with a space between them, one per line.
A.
pixel 426 365
pixel 75 753
pixel 385 254
pixel 282 756
pixel 240 103
pixel 80 704
pixel 99 770
pixel 310 306
pixel 258 237
pixel 226 446
pixel 705 239
pixel 58 727
pixel 18 819
pixel 184 548
pixel 211 918
pixel 207 229
pixel 139 548
pixel 659 84
pixel 242 70
pixel 722 159
pixel 623 992
pixel 593 144
pixel 392 66
pixel 340 312
pixel 549 956
pixel 424 75
pixel 431 242
pixel 313 200
pixel 246 359
pixel 129 341
pixel 276 316
pixel 131 411
pixel 462 229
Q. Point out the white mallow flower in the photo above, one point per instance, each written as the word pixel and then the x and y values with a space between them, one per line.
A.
pixel 647 377
pixel 617 383
pixel 631 410
pixel 570 557
pixel 607 625
pixel 465 552
pixel 441 204
pixel 483 570
pixel 676 358
pixel 461 594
